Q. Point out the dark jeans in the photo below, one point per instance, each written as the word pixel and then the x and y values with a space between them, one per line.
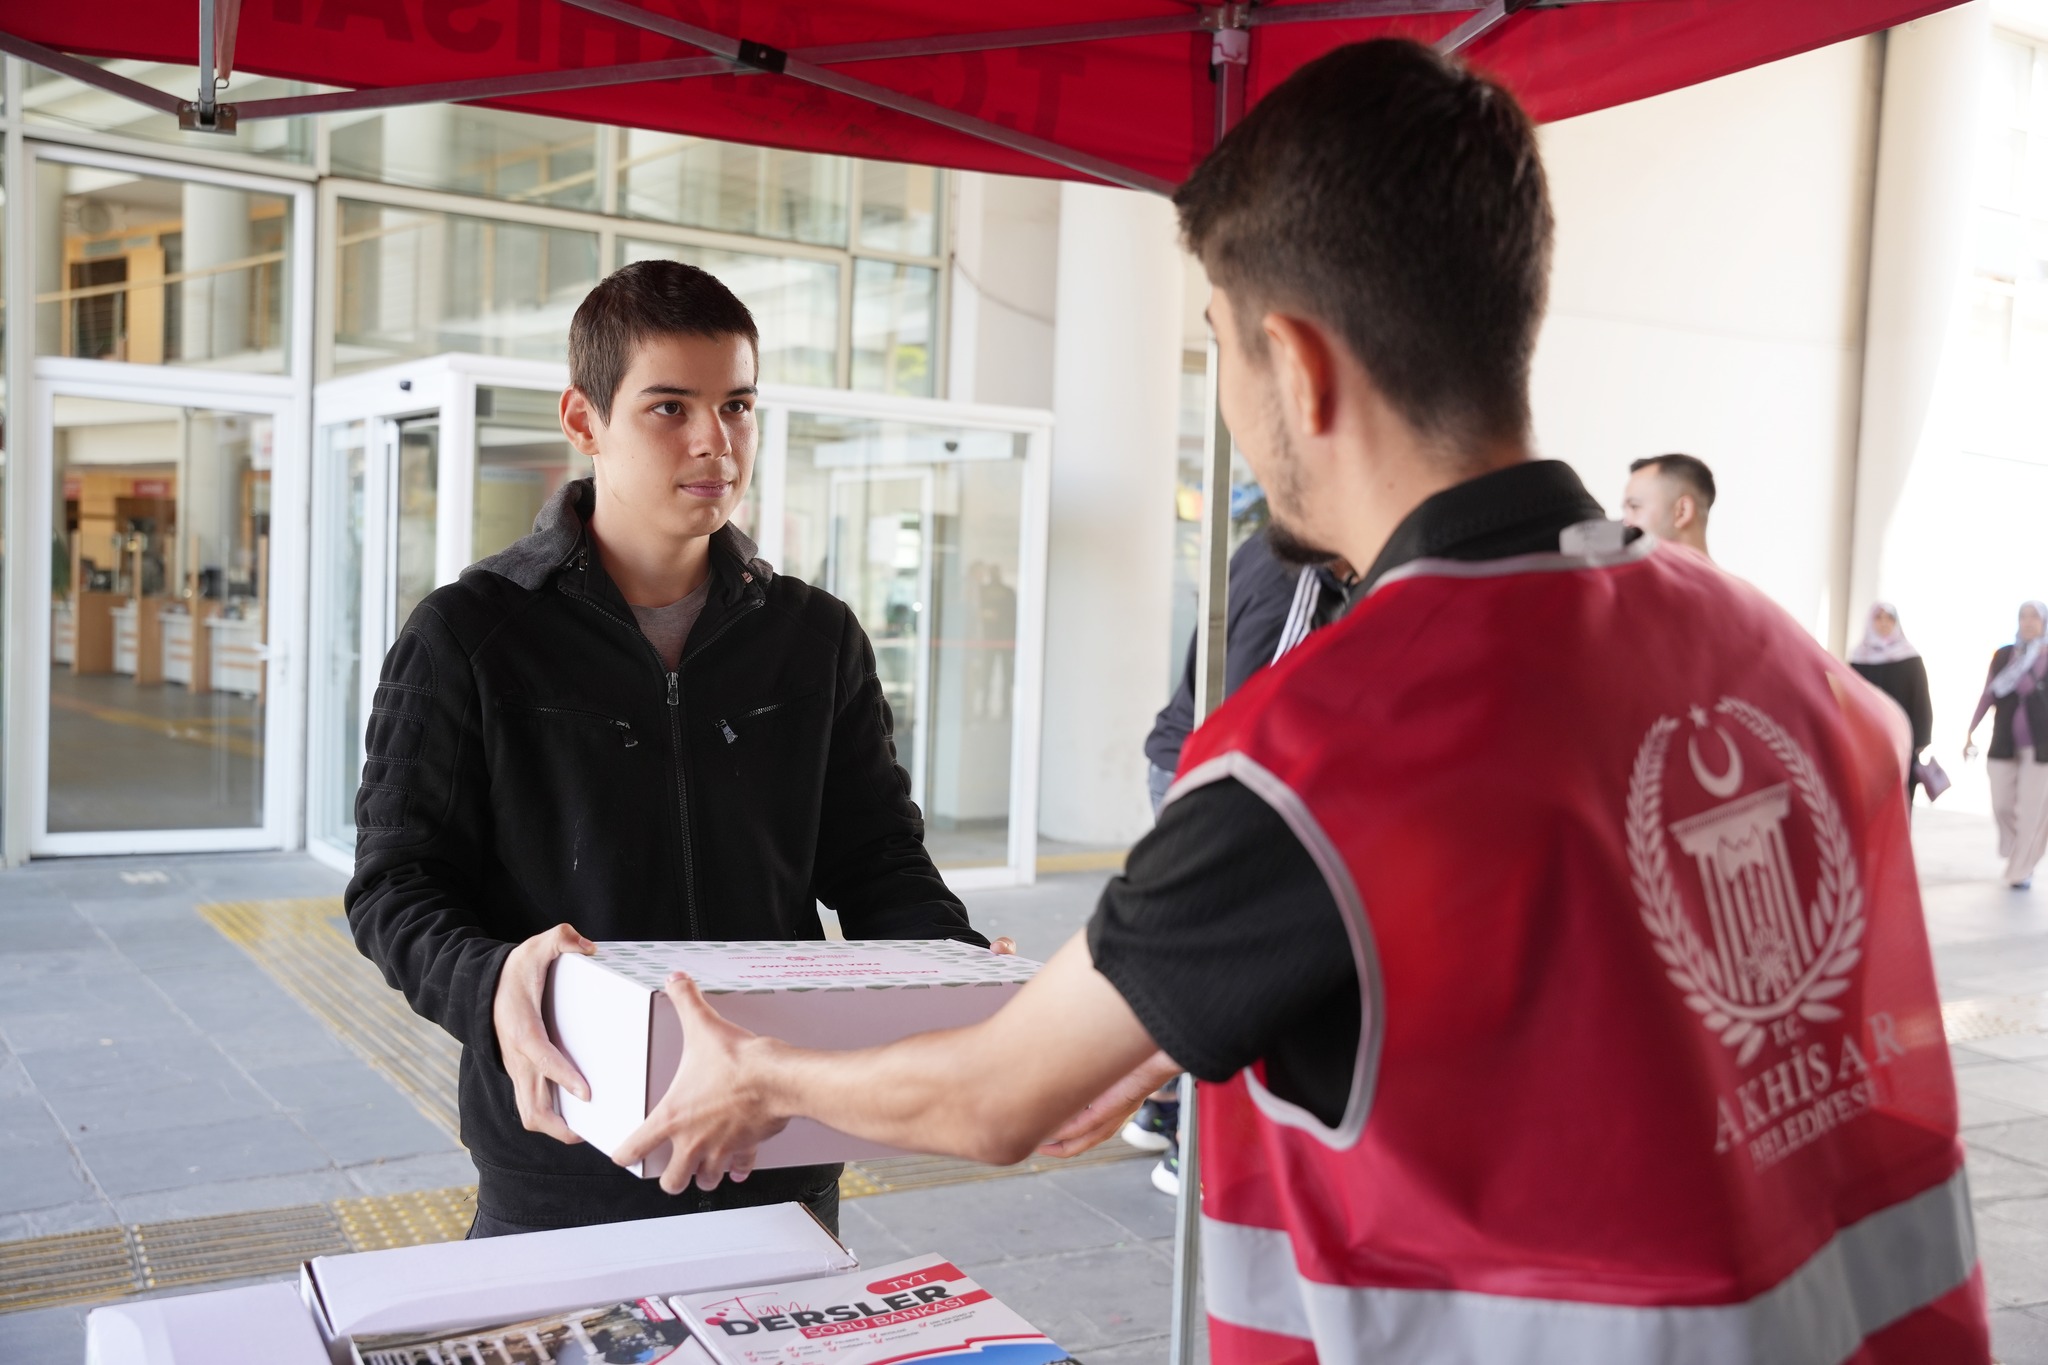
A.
pixel 1157 780
pixel 824 1204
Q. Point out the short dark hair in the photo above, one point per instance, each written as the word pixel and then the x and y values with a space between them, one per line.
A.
pixel 1689 470
pixel 1397 197
pixel 641 300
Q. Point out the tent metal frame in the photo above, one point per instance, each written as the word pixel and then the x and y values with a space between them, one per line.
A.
pixel 727 56
pixel 1231 26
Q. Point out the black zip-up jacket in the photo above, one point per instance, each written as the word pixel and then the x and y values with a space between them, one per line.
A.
pixel 530 760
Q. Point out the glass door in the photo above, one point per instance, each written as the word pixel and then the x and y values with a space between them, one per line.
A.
pixel 879 563
pixel 341 465
pixel 421 470
pixel 164 633
pixel 931 529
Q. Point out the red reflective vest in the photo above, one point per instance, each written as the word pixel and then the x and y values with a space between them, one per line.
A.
pixel 1652 1065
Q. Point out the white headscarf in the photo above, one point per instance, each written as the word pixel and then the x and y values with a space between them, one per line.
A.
pixel 2025 653
pixel 1883 649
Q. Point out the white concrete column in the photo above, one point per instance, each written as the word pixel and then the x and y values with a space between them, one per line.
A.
pixel 963 326
pixel 1006 253
pixel 214 312
pixel 1116 376
pixel 1930 115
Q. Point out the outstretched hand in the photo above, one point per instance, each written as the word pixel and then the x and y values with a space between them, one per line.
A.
pixel 713 1113
pixel 1106 1115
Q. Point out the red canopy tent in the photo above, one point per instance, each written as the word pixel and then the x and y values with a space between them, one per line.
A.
pixel 1130 92
pixel 1118 90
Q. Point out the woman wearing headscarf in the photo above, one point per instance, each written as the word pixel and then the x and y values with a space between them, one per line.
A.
pixel 2015 694
pixel 1888 662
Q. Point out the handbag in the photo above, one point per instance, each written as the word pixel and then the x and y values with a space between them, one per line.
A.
pixel 1932 776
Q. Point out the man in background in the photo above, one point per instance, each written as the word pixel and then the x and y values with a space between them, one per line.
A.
pixel 1273 607
pixel 1670 496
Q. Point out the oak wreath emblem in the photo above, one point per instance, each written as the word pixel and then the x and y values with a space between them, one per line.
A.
pixel 1836 916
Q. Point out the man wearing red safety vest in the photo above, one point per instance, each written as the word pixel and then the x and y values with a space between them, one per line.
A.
pixel 1545 933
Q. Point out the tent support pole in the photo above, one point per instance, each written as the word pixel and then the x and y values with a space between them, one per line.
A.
pixel 1230 53
pixel 85 73
pixel 218 23
pixel 760 57
pixel 207 88
pixel 690 68
pixel 1479 25
pixel 485 87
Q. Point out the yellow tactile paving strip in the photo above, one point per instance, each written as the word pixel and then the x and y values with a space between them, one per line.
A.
pixel 1966 1021
pixel 298 944
pixel 112 1263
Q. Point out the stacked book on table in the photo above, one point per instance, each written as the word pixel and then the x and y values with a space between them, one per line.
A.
pixel 925 1309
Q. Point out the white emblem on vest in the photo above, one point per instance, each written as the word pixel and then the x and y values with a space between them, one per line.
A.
pixel 1770 956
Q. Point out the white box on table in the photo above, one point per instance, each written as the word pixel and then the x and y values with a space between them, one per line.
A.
pixel 450 1285
pixel 263 1322
pixel 609 1015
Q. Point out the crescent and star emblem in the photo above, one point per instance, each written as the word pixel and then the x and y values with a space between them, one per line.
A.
pixel 1722 785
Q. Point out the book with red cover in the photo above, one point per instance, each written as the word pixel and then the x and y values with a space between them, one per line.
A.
pixel 924 1310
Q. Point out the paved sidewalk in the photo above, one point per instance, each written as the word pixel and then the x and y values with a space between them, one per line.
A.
pixel 150 1070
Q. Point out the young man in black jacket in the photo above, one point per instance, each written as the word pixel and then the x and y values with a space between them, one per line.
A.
pixel 629 724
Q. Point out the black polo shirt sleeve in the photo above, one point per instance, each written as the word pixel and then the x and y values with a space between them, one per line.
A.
pixel 1225 941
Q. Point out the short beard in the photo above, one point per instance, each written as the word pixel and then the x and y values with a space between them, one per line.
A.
pixel 1289 548
pixel 1288 545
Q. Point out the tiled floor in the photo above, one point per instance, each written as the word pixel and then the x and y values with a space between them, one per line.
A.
pixel 151 1071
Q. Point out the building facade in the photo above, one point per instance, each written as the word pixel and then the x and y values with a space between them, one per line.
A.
pixel 266 391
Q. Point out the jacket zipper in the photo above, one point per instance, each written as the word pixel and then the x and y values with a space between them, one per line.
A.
pixel 675 739
pixel 624 727
pixel 725 726
pixel 675 726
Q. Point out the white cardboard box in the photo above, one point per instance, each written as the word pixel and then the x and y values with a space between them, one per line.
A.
pixel 264 1322
pixel 609 1015
pixel 450 1285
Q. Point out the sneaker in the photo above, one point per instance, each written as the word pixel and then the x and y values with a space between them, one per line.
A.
pixel 1166 1175
pixel 1153 1127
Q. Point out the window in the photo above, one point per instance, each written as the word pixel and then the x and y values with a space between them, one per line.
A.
pixel 488 152
pixel 755 191
pixel 416 283
pixel 899 208
pixel 795 303
pixel 895 327
pixel 163 272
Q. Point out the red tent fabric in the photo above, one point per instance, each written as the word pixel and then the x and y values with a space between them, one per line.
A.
pixel 1141 102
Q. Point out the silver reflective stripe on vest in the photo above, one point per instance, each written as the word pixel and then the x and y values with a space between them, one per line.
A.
pixel 1869 1276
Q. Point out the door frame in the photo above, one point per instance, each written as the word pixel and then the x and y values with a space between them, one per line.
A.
pixel 283 710
pixel 29 506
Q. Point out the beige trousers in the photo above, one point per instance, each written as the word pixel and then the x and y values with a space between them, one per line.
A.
pixel 2019 800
